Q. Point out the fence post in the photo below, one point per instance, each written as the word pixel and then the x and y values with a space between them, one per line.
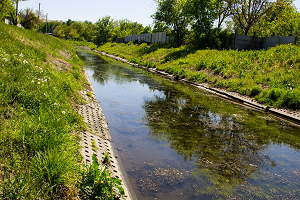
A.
pixel 235 38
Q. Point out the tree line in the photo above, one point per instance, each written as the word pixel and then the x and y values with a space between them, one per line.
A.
pixel 211 20
pixel 202 23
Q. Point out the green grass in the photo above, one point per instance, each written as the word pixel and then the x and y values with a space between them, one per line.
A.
pixel 270 76
pixel 39 124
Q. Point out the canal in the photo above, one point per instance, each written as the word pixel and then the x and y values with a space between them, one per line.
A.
pixel 177 142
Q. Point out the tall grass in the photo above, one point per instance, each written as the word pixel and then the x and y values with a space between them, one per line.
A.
pixel 39 150
pixel 270 76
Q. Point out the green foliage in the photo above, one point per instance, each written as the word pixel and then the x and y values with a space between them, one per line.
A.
pixel 96 183
pixel 104 28
pixel 28 19
pixel 6 7
pixel 171 14
pixel 282 19
pixel 247 13
pixel 106 159
pixel 38 129
pixel 125 27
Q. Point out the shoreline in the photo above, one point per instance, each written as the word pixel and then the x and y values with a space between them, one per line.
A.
pixel 97 140
pixel 289 115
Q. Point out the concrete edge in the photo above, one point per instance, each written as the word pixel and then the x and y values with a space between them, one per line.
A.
pixel 97 140
pixel 285 114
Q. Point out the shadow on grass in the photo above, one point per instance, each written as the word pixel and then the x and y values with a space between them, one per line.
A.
pixel 153 47
pixel 179 53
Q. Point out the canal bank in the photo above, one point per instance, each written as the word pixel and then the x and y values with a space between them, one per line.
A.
pixel 293 116
pixel 97 140
pixel 177 142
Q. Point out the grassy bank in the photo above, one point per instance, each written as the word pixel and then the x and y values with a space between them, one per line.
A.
pixel 40 77
pixel 270 76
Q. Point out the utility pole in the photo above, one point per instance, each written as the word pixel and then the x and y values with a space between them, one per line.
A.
pixel 38 27
pixel 46 22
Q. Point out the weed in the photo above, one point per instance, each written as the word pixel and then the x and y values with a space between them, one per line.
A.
pixel 94 147
pixel 106 159
pixel 97 183
pixel 89 94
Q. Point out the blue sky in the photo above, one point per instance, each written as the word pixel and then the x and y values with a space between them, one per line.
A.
pixel 80 10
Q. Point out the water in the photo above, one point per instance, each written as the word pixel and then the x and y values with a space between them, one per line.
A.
pixel 176 142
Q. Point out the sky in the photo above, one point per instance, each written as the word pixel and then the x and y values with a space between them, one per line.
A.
pixel 80 10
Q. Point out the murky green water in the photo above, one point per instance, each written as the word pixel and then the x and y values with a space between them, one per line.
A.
pixel 177 142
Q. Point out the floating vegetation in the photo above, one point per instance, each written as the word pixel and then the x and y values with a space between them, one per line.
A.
pixel 154 179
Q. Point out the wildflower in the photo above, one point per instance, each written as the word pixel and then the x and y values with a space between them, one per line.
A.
pixel 55 104
pixel 32 81
pixel 101 181
pixel 63 112
pixel 5 59
pixel 38 83
pixel 25 61
pixel 21 55
pixel 45 94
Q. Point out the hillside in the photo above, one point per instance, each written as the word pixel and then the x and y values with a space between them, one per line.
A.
pixel 40 82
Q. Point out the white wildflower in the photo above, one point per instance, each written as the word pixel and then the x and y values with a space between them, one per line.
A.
pixel 38 83
pixel 32 81
pixel 21 55
pixel 5 59
pixel 25 61
pixel 63 112
pixel 45 94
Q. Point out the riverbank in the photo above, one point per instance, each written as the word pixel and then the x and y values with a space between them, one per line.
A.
pixel 284 113
pixel 97 140
pixel 42 87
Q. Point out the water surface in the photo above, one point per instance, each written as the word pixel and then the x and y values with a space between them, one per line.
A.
pixel 177 142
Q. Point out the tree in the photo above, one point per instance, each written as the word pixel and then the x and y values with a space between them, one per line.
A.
pixel 89 31
pixel 222 10
pixel 161 27
pixel 104 29
pixel 246 13
pixel 282 19
pixel 28 18
pixel 171 14
pixel 126 27
pixel 6 8
pixel 203 13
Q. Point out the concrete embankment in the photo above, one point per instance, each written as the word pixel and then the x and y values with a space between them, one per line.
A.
pixel 292 116
pixel 97 140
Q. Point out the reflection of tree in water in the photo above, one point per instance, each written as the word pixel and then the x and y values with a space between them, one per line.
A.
pixel 218 143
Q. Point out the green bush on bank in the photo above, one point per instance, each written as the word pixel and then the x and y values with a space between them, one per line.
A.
pixel 270 76
pixel 40 77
